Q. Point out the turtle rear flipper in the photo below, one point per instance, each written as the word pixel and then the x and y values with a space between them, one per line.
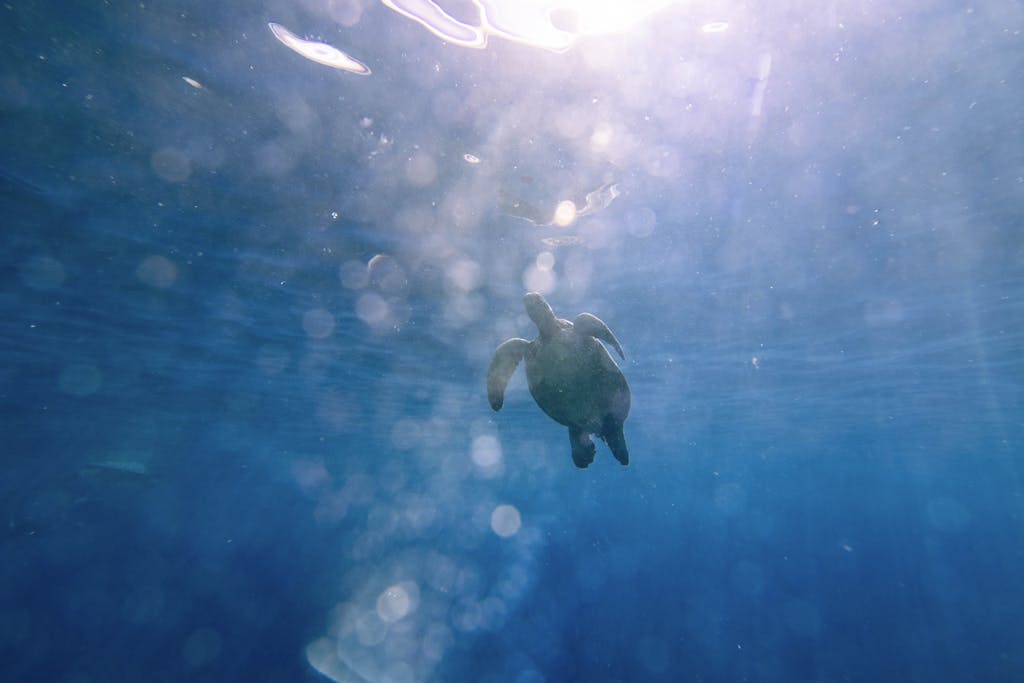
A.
pixel 583 448
pixel 506 358
pixel 616 439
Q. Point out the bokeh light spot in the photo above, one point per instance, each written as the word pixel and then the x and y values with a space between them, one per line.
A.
pixel 538 280
pixel 530 676
pixel 947 515
pixel 318 323
pixel 335 411
pixel 486 452
pixel 80 379
pixel 370 629
pixel 272 359
pixel 601 138
pixel 802 617
pixel 353 274
pixel 505 521
pixel 641 222
pixel 464 274
pixel 730 499
pixel 545 260
pixel 654 654
pixel 202 647
pixel 310 475
pixel 397 601
pixel 171 165
pixel 373 310
pixel 421 170
pixel 42 273
pixel 406 434
pixel 143 605
pixel 157 271
pixel 748 577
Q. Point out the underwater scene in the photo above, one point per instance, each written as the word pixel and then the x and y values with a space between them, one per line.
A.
pixel 512 341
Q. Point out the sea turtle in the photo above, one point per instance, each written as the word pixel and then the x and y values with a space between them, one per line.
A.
pixel 572 377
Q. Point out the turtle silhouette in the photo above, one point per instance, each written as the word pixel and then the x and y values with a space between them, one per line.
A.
pixel 571 376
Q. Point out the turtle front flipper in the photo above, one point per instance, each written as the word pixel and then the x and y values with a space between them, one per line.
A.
pixel 582 447
pixel 591 325
pixel 506 358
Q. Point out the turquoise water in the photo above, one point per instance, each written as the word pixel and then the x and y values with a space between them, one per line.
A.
pixel 250 300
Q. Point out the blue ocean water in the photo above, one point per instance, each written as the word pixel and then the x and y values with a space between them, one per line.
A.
pixel 249 301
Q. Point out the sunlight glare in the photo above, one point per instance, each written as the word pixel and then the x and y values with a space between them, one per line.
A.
pixel 565 214
pixel 549 24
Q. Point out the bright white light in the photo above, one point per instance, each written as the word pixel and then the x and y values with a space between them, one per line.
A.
pixel 565 214
pixel 549 24
pixel 598 17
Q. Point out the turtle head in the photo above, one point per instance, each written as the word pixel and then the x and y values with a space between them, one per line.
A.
pixel 540 313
